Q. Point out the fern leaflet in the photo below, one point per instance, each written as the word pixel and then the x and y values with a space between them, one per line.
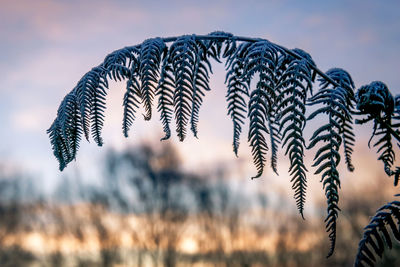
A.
pixel 376 101
pixel 201 77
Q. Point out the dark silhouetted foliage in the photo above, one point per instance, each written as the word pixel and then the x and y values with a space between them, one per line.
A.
pixel 273 85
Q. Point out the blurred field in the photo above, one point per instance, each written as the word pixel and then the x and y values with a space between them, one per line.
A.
pixel 145 211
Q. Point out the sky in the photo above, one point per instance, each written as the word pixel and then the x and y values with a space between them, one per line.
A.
pixel 46 46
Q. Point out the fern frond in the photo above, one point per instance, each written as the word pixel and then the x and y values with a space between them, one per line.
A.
pixel 376 101
pixel 258 110
pixel 149 63
pixel 346 82
pixel 238 89
pixel 201 78
pixel 377 234
pixel 190 68
pixel 294 85
pixel 183 54
pixel 337 107
pixel 262 59
pixel 179 76
pixel 66 131
pixel 91 92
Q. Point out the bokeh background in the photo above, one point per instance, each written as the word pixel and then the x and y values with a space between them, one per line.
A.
pixel 141 202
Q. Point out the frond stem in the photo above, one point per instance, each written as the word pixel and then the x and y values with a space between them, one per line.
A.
pixel 253 40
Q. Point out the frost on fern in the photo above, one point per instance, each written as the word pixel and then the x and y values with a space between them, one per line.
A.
pixel 293 85
pixel 262 59
pixel 149 63
pixel 190 67
pixel 66 131
pixel 334 103
pixel 238 91
pixel 268 85
pixel 123 64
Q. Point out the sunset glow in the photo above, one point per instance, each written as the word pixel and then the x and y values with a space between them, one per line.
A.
pixel 139 201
